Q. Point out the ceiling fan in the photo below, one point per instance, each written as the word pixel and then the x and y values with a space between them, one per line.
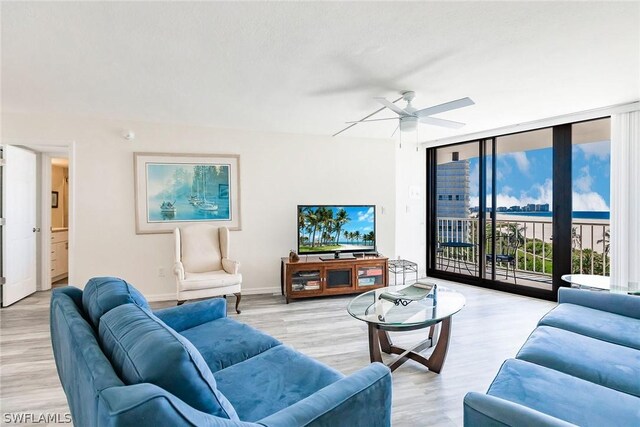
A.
pixel 410 116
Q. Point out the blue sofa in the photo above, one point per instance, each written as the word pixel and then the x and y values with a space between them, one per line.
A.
pixel 580 366
pixel 122 364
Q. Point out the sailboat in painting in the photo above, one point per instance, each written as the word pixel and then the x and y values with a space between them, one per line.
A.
pixel 205 205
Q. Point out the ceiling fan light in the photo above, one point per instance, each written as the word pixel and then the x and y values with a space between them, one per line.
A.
pixel 408 124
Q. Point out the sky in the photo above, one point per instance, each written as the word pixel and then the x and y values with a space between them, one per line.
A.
pixel 526 177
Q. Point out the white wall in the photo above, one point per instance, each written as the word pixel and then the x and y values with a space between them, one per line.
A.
pixel 410 205
pixel 278 171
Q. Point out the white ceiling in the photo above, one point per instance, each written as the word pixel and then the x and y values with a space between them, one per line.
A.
pixel 309 67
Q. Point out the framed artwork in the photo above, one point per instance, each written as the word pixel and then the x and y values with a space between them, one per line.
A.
pixel 54 199
pixel 177 189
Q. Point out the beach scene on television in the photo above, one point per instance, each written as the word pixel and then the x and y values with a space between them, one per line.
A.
pixel 187 192
pixel 336 228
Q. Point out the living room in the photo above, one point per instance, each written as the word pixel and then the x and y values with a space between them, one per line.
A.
pixel 271 83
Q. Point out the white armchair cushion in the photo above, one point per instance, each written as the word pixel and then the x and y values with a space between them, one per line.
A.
pixel 207 280
pixel 200 248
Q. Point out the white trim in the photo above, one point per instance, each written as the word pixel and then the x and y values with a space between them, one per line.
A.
pixel 536 124
pixel 45 222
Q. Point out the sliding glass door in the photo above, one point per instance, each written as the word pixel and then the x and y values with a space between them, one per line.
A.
pixel 500 209
pixel 456 223
pixel 519 226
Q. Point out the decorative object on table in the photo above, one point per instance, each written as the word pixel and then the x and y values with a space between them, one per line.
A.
pixel 54 199
pixel 172 189
pixel 202 265
pixel 293 256
pixel 416 292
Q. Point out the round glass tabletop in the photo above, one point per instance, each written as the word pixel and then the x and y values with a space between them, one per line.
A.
pixel 588 281
pixel 369 308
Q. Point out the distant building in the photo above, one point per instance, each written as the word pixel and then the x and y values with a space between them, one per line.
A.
pixel 452 193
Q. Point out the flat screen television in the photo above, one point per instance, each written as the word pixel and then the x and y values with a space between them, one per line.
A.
pixel 336 228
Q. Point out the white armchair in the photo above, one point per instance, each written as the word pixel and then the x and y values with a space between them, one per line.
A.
pixel 203 268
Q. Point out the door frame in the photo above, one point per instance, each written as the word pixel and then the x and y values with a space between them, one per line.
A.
pixel 48 149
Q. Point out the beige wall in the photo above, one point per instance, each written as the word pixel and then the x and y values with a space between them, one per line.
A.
pixel 60 215
pixel 278 171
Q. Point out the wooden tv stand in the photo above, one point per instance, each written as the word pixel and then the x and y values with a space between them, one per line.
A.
pixel 312 277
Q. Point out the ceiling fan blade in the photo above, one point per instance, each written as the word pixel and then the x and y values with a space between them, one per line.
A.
pixel 393 107
pixel 364 118
pixel 441 122
pixel 452 105
pixel 373 120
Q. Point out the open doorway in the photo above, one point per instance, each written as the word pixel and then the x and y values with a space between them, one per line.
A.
pixel 59 221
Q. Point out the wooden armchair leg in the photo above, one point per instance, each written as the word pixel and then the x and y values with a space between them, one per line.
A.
pixel 238 297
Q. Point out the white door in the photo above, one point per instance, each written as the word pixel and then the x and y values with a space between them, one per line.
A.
pixel 19 231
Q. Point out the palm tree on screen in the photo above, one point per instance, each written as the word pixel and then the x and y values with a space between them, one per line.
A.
pixel 342 217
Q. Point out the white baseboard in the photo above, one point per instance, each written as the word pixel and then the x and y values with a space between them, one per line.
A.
pixel 161 297
pixel 261 291
pixel 250 291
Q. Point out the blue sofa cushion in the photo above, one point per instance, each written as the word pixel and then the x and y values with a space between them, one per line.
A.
pixel 104 293
pixel 563 396
pixel 598 324
pixel 225 342
pixel 83 368
pixel 610 365
pixel 273 380
pixel 143 349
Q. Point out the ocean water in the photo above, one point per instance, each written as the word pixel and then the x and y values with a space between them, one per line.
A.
pixel 576 214
pixel 186 212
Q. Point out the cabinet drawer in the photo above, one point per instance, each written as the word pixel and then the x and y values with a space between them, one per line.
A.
pixel 60 236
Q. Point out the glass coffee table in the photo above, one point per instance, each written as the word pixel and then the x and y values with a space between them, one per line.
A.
pixel 383 316
pixel 588 281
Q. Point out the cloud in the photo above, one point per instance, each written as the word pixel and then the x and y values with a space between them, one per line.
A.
pixel 601 150
pixel 583 183
pixel 590 201
pixel 366 216
pixel 537 194
pixel 474 179
pixel 521 159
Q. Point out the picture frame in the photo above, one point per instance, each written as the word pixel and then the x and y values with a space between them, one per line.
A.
pixel 54 199
pixel 175 189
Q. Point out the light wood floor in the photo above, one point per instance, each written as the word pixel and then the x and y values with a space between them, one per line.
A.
pixel 491 328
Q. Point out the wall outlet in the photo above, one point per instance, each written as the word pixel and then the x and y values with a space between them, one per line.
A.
pixel 161 272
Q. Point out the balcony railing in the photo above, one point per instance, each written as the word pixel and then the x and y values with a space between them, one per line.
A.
pixel 533 257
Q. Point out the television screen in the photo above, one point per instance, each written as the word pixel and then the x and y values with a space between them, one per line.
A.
pixel 331 228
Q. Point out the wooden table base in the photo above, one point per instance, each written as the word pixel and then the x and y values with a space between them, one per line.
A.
pixel 380 341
